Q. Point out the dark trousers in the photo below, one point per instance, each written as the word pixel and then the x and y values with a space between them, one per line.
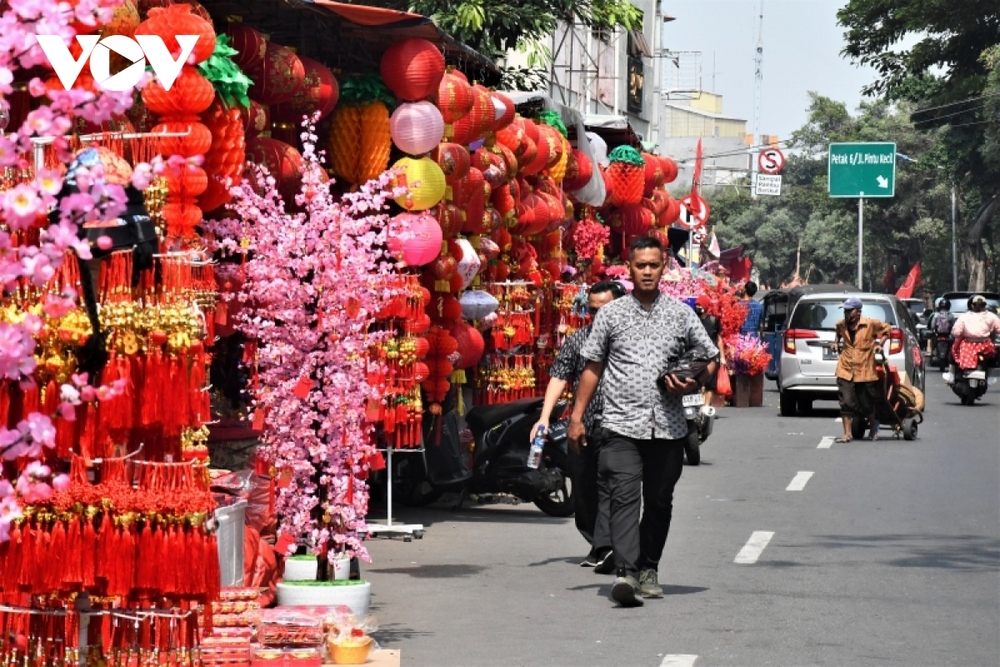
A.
pixel 591 499
pixel 641 475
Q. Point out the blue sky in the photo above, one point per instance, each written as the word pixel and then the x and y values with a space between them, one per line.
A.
pixel 802 44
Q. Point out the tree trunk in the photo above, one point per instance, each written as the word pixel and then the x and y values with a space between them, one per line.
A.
pixel 975 253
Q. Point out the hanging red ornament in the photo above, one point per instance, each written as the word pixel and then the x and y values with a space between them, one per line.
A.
pixel 319 92
pixel 172 20
pixel 278 77
pixel 412 69
pixel 249 44
pixel 454 97
pixel 454 161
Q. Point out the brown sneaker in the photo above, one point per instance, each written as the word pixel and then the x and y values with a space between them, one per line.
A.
pixel 649 586
pixel 625 591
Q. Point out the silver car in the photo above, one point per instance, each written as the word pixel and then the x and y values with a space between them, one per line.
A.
pixel 808 364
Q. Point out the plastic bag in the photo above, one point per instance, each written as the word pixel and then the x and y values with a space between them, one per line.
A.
pixel 723 387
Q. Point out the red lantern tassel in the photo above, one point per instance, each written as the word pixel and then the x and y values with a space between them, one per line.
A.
pixel 88 549
pixel 71 569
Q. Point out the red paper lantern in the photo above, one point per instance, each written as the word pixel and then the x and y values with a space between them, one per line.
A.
pixel 579 171
pixel 319 92
pixel 508 113
pixel 470 344
pixel 256 119
pixel 454 161
pixel 191 93
pixel 451 219
pixel 658 202
pixel 172 20
pixel 421 371
pixel 472 193
pixel 250 44
pixel 283 162
pixel 512 136
pixel 454 97
pixel 278 77
pixel 444 267
pixel 197 141
pixel 636 220
pixel 412 69
pixel 671 212
pixel 669 169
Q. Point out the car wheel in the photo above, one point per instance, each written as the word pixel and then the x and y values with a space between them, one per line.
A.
pixel 787 404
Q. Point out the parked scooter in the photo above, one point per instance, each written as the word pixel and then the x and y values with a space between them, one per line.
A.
pixel 700 420
pixel 971 384
pixel 499 437
pixel 941 354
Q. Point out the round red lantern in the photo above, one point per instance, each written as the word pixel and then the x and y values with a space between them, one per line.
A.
pixel 249 43
pixel 470 344
pixel 579 171
pixel 504 112
pixel 256 119
pixel 197 141
pixel 412 69
pixel 283 162
pixel 416 127
pixel 319 92
pixel 636 220
pixel 669 169
pixel 454 161
pixel 191 93
pixel 454 97
pixel 421 371
pixel 278 77
pixel 172 20
pixel 451 218
pixel 671 212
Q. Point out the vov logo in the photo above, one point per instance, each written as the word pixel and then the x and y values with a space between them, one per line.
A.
pixel 137 51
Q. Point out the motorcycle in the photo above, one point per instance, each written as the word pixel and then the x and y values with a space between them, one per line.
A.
pixel 942 351
pixel 700 420
pixel 971 384
pixel 499 437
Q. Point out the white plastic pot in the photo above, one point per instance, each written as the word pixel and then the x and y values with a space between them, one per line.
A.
pixel 357 596
pixel 305 569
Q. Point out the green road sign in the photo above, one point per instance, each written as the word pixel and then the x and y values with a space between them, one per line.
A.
pixel 862 169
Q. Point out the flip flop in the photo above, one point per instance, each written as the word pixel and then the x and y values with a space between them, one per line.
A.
pixel 843 439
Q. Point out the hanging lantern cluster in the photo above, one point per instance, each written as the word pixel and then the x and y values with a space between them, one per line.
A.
pixel 178 110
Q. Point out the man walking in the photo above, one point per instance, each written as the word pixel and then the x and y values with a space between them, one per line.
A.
pixel 591 499
pixel 635 345
pixel 857 339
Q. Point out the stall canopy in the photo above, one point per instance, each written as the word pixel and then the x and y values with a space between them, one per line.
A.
pixel 349 36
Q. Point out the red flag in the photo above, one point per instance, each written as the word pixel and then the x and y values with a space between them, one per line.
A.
pixel 905 291
pixel 889 280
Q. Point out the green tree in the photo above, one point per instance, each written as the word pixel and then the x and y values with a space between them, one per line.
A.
pixel 949 74
pixel 494 27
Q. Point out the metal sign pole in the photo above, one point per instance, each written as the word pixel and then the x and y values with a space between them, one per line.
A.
pixel 861 242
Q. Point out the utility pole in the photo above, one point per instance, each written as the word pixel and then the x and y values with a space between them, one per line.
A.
pixel 759 80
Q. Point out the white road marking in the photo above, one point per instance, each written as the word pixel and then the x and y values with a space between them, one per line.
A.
pixel 678 660
pixel 826 442
pixel 754 547
pixel 799 481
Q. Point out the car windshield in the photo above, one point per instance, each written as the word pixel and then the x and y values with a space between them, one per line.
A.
pixel 825 314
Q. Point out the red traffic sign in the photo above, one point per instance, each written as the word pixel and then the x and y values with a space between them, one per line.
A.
pixel 771 161
pixel 694 212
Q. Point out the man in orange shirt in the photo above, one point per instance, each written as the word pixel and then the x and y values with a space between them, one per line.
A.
pixel 857 339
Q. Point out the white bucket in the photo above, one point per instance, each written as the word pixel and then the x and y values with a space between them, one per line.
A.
pixel 357 596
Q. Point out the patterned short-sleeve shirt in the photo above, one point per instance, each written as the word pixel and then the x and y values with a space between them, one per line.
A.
pixel 568 366
pixel 637 347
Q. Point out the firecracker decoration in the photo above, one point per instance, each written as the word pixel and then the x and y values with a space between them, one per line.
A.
pixel 324 275
pixel 360 136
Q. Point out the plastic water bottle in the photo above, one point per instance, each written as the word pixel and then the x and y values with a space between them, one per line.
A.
pixel 537 445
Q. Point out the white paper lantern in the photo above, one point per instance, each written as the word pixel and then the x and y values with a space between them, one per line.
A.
pixel 416 127
pixel 469 264
pixel 477 304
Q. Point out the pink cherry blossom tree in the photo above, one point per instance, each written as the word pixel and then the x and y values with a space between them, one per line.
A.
pixel 313 282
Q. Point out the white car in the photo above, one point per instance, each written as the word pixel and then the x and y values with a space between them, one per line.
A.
pixel 808 365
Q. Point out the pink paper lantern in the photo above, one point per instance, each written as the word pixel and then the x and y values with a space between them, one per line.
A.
pixel 416 127
pixel 415 238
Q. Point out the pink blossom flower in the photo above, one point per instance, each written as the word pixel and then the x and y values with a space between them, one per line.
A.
pixel 21 205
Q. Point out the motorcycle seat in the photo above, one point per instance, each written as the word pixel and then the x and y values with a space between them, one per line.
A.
pixel 484 417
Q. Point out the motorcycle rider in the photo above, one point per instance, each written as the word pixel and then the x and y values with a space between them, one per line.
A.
pixel 973 333
pixel 940 324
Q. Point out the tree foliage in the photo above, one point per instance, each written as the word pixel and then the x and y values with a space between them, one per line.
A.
pixel 495 27
pixel 805 234
pixel 949 74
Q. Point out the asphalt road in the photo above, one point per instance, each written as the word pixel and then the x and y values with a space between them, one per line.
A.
pixel 888 555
